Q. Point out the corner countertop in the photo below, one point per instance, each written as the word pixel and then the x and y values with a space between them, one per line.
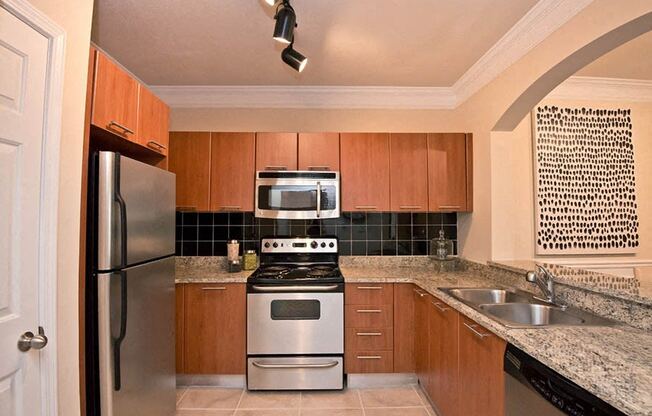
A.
pixel 613 363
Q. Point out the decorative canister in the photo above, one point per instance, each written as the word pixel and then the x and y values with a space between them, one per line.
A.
pixel 250 260
pixel 233 250
pixel 441 248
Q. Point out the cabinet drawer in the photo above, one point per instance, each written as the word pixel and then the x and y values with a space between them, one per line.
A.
pixel 369 362
pixel 369 294
pixel 359 339
pixel 369 316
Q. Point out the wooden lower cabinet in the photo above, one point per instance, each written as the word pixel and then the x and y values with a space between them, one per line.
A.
pixel 214 328
pixel 481 381
pixel 404 328
pixel 179 332
pixel 443 357
pixel 369 361
pixel 421 337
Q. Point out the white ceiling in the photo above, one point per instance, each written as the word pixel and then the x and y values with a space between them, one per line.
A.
pixel 632 60
pixel 348 42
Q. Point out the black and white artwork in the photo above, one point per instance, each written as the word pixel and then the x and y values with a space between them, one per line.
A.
pixel 585 193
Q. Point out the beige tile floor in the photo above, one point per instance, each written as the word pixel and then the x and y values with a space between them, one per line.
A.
pixel 213 401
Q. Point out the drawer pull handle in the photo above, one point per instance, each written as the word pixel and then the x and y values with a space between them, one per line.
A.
pixel 276 168
pixel 366 207
pixel 410 207
pixel 230 207
pixel 114 123
pixel 369 311
pixel 449 207
pixel 369 334
pixel 318 168
pixel 370 287
pixel 282 365
pixel 440 306
pixel 475 331
pixel 156 145
pixel 369 357
pixel 214 288
pixel 418 292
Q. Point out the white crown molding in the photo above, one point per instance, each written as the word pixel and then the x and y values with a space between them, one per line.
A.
pixel 537 24
pixel 603 89
pixel 315 97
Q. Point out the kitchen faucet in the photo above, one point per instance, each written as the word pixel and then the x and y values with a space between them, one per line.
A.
pixel 545 280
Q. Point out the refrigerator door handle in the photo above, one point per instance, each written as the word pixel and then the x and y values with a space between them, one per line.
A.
pixel 122 332
pixel 122 214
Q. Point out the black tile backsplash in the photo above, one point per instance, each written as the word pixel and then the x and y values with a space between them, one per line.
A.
pixel 360 233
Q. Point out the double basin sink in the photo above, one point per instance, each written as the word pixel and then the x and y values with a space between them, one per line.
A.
pixel 519 309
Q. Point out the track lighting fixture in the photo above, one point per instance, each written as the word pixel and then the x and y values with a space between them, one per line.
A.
pixel 293 58
pixel 286 21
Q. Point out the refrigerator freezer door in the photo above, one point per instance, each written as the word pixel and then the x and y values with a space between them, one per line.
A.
pixel 138 199
pixel 137 372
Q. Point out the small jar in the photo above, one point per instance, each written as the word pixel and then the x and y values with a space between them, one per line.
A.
pixel 232 250
pixel 250 260
pixel 441 248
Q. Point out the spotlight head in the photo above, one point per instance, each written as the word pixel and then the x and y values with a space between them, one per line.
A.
pixel 286 20
pixel 293 58
pixel 270 2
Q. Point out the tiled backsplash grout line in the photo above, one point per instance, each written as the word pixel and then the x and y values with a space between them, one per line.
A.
pixel 360 233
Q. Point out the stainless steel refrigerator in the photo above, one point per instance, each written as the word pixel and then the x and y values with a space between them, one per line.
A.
pixel 130 289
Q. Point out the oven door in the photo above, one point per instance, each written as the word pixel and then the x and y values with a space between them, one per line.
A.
pixel 297 198
pixel 295 323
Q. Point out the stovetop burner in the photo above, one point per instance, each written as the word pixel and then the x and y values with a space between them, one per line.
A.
pixel 296 272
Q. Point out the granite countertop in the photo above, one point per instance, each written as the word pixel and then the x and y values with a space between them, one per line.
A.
pixel 614 363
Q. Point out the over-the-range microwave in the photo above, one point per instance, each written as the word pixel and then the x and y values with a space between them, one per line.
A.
pixel 297 194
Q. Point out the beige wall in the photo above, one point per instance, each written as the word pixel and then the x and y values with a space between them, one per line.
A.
pixel 513 194
pixel 74 16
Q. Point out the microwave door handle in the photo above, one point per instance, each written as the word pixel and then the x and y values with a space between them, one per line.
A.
pixel 318 199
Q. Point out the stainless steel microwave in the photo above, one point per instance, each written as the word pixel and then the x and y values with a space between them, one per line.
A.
pixel 297 194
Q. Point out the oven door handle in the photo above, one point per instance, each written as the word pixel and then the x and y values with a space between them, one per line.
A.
pixel 314 288
pixel 318 199
pixel 329 364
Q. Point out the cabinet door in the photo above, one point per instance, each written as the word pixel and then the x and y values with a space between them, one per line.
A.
pixel 179 332
pixel 364 165
pixel 232 171
pixel 153 122
pixel 276 151
pixel 409 172
pixel 190 159
pixel 215 328
pixel 404 328
pixel 421 337
pixel 115 99
pixel 319 151
pixel 481 380
pixel 450 172
pixel 443 356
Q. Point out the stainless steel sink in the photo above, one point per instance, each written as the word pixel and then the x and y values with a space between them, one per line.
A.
pixel 519 309
pixel 481 296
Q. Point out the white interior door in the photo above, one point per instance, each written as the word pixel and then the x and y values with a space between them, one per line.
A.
pixel 23 66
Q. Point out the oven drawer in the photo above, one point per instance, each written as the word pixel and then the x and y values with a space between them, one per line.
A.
pixel 295 373
pixel 360 339
pixel 369 316
pixel 295 323
pixel 369 293
pixel 369 361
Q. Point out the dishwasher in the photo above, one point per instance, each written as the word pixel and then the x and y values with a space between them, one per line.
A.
pixel 531 388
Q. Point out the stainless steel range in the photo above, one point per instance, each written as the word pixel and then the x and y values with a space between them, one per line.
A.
pixel 295 316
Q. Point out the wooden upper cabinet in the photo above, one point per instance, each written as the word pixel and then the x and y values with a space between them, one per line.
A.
pixel 115 99
pixel 481 389
pixel 364 166
pixel 232 171
pixel 153 122
pixel 319 151
pixel 409 172
pixel 276 151
pixel 450 174
pixel 443 357
pixel 215 328
pixel 190 159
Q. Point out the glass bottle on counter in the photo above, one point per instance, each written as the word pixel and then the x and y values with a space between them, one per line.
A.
pixel 250 260
pixel 441 248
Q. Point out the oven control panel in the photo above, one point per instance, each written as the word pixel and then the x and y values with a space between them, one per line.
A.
pixel 299 245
